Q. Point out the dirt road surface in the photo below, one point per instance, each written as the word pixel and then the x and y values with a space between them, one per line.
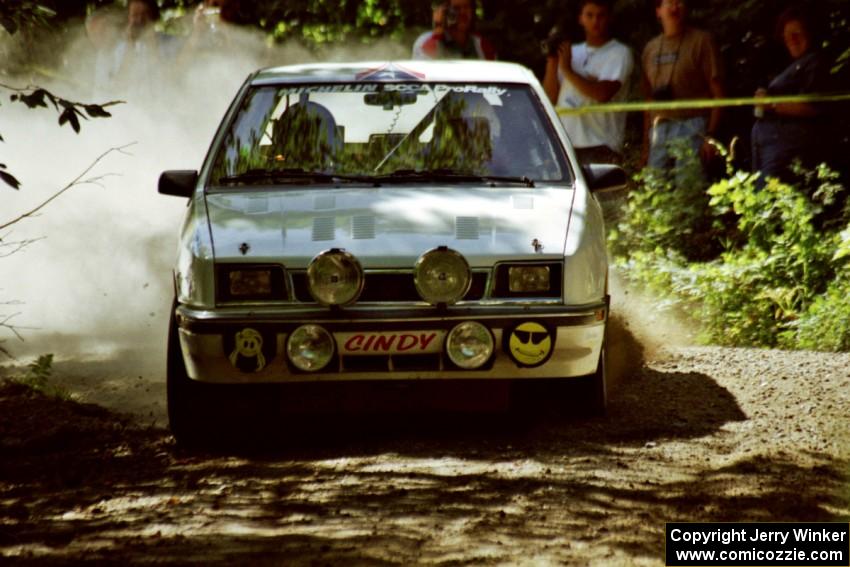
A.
pixel 694 434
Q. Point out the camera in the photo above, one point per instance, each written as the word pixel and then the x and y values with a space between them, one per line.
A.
pixel 451 17
pixel 553 42
pixel 664 92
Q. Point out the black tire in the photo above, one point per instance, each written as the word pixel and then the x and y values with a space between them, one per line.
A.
pixel 188 401
pixel 213 416
pixel 566 397
pixel 597 386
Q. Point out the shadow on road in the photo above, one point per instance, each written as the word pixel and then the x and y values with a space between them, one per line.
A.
pixel 80 483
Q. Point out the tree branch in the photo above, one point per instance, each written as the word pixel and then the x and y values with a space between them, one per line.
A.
pixel 15 245
pixel 44 93
pixel 76 181
pixel 4 324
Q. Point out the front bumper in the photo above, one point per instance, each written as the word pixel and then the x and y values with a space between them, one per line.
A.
pixel 207 344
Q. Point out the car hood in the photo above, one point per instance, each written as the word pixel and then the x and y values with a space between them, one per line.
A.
pixel 389 227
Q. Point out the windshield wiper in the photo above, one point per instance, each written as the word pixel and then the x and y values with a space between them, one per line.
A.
pixel 289 175
pixel 451 175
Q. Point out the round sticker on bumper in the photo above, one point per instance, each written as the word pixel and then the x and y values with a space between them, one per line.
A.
pixel 247 353
pixel 530 344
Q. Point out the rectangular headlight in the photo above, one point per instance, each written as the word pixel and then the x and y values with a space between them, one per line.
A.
pixel 529 279
pixel 250 282
pixel 244 282
pixel 523 280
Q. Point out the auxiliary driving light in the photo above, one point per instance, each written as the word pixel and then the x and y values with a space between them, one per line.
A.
pixel 310 348
pixel 469 345
pixel 335 277
pixel 442 275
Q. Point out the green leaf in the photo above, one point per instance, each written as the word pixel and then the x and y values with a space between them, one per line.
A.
pixel 96 111
pixel 75 122
pixel 69 116
pixel 44 11
pixel 34 99
pixel 10 179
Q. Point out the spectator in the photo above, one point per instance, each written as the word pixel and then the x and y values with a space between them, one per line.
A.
pixel 438 21
pixel 139 54
pixel 592 72
pixel 458 40
pixel 793 130
pixel 210 31
pixel 103 29
pixel 679 64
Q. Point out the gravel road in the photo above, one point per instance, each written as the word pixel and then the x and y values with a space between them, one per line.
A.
pixel 693 434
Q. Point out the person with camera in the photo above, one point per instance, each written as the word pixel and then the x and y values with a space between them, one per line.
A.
pixel 438 26
pixel 458 40
pixel 210 32
pixel 680 63
pixel 594 71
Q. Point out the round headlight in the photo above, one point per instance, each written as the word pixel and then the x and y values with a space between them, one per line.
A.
pixel 310 348
pixel 469 345
pixel 335 278
pixel 442 275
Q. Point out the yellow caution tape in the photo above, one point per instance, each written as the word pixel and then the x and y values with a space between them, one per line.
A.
pixel 697 103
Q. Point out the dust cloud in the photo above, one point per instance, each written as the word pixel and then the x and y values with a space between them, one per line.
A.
pixel 95 284
pixel 640 329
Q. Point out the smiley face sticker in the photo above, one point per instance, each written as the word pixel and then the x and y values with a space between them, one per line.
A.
pixel 530 344
pixel 247 352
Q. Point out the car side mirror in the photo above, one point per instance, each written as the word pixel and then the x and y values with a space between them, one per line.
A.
pixel 604 177
pixel 179 183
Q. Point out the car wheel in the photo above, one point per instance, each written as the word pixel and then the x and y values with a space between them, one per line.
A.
pixel 180 391
pixel 596 395
pixel 204 415
pixel 191 405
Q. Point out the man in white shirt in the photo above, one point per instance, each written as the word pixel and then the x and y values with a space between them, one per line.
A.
pixel 595 71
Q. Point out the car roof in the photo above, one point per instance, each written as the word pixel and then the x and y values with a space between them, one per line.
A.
pixel 465 71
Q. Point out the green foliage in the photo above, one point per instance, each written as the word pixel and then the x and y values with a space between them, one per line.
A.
pixel 674 206
pixel 843 249
pixel 37 377
pixel 16 14
pixel 780 279
pixel 826 324
pixel 784 263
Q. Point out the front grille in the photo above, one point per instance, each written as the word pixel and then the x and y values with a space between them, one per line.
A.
pixel 388 287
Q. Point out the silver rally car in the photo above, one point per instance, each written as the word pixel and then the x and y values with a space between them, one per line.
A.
pixel 387 222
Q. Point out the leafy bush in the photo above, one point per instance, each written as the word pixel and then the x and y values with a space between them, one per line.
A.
pixel 669 212
pixel 826 324
pixel 754 262
pixel 37 377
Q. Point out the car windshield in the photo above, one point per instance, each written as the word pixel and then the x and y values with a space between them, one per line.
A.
pixel 363 131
